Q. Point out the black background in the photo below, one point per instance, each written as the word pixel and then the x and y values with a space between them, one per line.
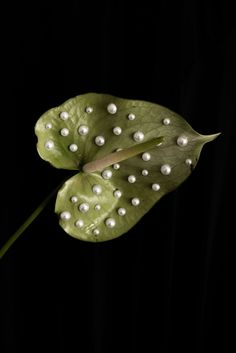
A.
pixel 168 284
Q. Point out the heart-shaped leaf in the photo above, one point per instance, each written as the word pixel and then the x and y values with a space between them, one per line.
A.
pixel 128 154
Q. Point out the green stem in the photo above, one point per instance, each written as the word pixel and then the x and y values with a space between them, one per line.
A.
pixel 27 223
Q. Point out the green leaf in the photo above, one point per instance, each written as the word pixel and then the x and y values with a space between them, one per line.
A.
pixel 159 151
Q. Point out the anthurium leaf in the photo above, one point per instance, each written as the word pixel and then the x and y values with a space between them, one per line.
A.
pixel 128 154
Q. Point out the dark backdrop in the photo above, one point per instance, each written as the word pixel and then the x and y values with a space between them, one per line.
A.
pixel 168 284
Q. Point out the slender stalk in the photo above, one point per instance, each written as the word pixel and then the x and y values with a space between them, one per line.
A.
pixel 116 157
pixel 27 223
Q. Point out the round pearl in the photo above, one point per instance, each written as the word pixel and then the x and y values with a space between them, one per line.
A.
pixel 97 207
pixel 138 136
pixel 48 126
pixel 64 115
pixel 107 174
pixel 155 187
pixel 117 193
pixel 110 222
pixel 89 110
pixel 79 223
pixel 112 108
pixel 74 199
pixel 96 231
pixel 135 201
pixel 146 156
pixel 165 169
pixel 84 207
pixel 131 179
pixel 65 216
pixel 73 147
pixel 83 130
pixel 182 141
pixel 121 211
pixel 144 172
pixel 166 121
pixel 116 166
pixel 188 161
pixel 97 189
pixel 99 141
pixel 49 145
pixel 64 132
pixel 117 130
pixel 131 116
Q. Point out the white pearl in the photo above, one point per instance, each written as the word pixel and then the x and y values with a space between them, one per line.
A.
pixel 48 126
pixel 188 161
pixel 110 222
pixel 131 116
pixel 117 130
pixel 89 110
pixel 138 136
pixel 99 140
pixel 156 187
pixel 65 216
pixel 116 166
pixel 165 169
pixel 83 130
pixel 117 193
pixel 107 174
pixel 135 201
pixel 96 231
pixel 64 115
pixel 64 132
pixel 73 147
pixel 131 179
pixel 84 207
pixel 74 199
pixel 146 156
pixel 97 207
pixel 97 189
pixel 145 172
pixel 166 121
pixel 112 108
pixel 121 211
pixel 79 223
pixel 49 145
pixel 182 141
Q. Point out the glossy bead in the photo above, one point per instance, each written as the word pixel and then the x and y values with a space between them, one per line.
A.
pixel 48 126
pixel 166 121
pixel 107 174
pixel 112 108
pixel 97 189
pixel 135 201
pixel 64 132
pixel 97 207
pixel 146 156
pixel 121 211
pixel 64 115
pixel 119 149
pixel 74 199
pixel 155 187
pixel 188 162
pixel 89 110
pixel 84 207
pixel 49 145
pixel 116 166
pixel 145 172
pixel 131 179
pixel 96 232
pixel 165 169
pixel 79 223
pixel 117 193
pixel 138 136
pixel 65 216
pixel 73 147
pixel 99 141
pixel 131 116
pixel 110 222
pixel 182 141
pixel 83 130
pixel 117 130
